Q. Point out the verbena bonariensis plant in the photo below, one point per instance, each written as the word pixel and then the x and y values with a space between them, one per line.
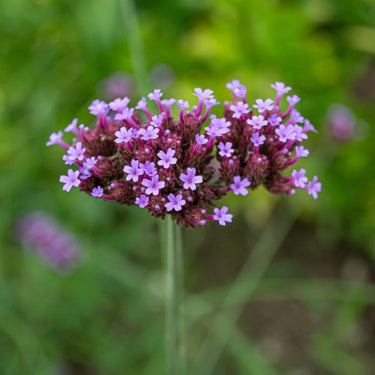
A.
pixel 182 166
pixel 39 233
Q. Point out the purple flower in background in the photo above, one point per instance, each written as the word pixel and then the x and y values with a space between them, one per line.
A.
pixel 190 179
pixel 39 233
pixel 222 216
pixel 239 185
pixel 148 168
pixel 341 122
pixel 175 202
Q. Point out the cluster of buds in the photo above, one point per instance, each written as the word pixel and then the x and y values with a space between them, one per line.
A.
pixel 181 166
pixel 40 234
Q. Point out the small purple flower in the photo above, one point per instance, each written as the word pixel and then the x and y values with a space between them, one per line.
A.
pixel 200 139
pixel 126 114
pixel 299 134
pixel 157 120
pixel 285 133
pixel 281 88
pixel 55 138
pixel 301 152
pixel 299 178
pixel 257 139
pixel 225 149
pixel 141 104
pixel 155 95
pixel 182 104
pixel 154 185
pixel 275 120
pixel 295 117
pixel 40 234
pixel 72 127
pixel 76 152
pixel 142 201
pixel 257 122
pixel 97 192
pixel 175 202
pixel 293 100
pixel 149 133
pixel 221 215
pixel 309 127
pixel 70 180
pixel 123 135
pixel 98 107
pixel 218 127
pixel 166 158
pixel 134 171
pixel 148 168
pixel 239 109
pixel 203 95
pixel 239 186
pixel 190 179
pixel 167 103
pixel 234 84
pixel 119 104
pixel 240 91
pixel 314 187
pixel 263 105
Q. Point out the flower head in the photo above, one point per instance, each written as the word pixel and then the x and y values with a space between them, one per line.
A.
pixel 183 166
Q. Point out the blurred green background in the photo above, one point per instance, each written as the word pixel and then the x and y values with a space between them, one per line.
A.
pixel 304 301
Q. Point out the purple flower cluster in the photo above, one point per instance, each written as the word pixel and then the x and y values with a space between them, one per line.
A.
pixel 181 166
pixel 41 234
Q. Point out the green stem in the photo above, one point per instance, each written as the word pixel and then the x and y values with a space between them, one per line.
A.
pixel 133 34
pixel 173 298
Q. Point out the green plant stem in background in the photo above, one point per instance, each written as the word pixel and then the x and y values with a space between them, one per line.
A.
pixel 173 298
pixel 133 36
pixel 250 275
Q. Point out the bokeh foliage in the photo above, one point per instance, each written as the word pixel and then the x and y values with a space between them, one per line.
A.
pixel 106 317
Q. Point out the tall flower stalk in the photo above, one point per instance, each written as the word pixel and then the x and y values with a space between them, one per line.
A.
pixel 173 300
